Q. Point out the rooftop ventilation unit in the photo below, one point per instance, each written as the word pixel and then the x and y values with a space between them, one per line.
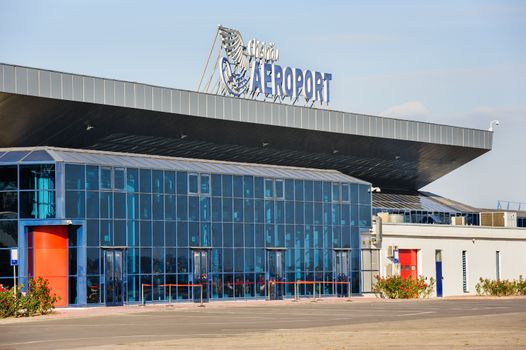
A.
pixel 458 220
pixel 499 219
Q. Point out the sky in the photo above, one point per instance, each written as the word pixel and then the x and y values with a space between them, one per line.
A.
pixel 452 62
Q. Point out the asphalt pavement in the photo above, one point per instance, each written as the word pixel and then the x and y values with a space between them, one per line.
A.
pixel 165 323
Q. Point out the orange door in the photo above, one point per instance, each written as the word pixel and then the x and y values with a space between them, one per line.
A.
pixel 50 259
pixel 408 264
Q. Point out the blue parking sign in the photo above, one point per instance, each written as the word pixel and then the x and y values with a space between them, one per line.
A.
pixel 14 256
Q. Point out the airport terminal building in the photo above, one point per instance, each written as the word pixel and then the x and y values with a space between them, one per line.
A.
pixel 119 191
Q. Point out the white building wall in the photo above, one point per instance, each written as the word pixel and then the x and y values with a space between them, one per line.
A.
pixel 480 244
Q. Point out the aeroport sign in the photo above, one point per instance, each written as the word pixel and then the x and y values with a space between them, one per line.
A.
pixel 251 70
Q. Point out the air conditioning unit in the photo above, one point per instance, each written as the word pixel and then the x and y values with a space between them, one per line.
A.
pixel 499 219
pixel 391 251
pixel 458 220
pixel 396 218
pixel 384 217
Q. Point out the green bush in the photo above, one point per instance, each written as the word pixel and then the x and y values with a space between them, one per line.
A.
pixel 501 288
pixel 9 304
pixel 395 287
pixel 37 300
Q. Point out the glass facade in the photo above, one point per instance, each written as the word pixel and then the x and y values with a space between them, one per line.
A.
pixel 162 219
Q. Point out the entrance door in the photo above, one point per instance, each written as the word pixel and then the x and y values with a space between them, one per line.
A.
pixel 201 274
pixel 275 274
pixel 342 271
pixel 48 258
pixel 438 268
pixel 114 277
pixel 408 264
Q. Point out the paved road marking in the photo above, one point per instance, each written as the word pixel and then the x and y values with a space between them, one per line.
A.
pixel 417 313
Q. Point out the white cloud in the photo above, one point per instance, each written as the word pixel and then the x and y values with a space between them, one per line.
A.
pixel 408 110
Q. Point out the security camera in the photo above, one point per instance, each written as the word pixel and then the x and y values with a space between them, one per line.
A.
pixel 493 122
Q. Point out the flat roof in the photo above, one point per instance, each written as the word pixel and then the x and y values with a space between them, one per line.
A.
pixel 41 107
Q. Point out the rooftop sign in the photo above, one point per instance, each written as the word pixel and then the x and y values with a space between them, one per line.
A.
pixel 250 70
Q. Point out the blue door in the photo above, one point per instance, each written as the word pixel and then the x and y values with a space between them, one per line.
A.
pixel 275 274
pixel 113 277
pixel 438 268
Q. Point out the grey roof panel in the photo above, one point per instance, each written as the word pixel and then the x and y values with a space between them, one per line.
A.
pixel 130 160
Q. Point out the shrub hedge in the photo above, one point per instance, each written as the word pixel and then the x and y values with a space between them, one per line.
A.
pixel 501 288
pixel 37 300
pixel 395 287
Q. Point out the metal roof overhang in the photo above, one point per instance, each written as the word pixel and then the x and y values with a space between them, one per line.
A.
pixel 40 107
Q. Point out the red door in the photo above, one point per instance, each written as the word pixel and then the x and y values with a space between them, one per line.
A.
pixel 408 264
pixel 50 259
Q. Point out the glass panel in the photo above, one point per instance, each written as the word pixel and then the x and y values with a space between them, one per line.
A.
pixel 37 204
pixel 146 233
pixel 327 192
pixel 158 207
pixel 8 178
pixel 193 181
pixel 280 189
pixel 105 178
pixel 345 193
pixel 318 197
pixel 182 183
pixel 216 185
pixel 38 156
pixel 75 204
pixel 146 206
pixel 205 183
pixel 106 205
pixel 132 180
pixel 298 190
pixel 106 232
pixel 227 185
pixel 92 177
pixel 170 234
pixel 158 233
pixel 309 193
pixel 169 182
pixel 145 183
pixel 182 208
pixel 119 233
pixel 34 177
pixel 238 186
pixel 193 208
pixel 157 181
pixel 92 233
pixel 132 206
pixel 269 188
pixel 75 177
pixel 169 206
pixel 8 205
pixel 336 192
pixel 248 186
pixel 13 156
pixel 8 235
pixel 259 187
pixel 120 179
pixel 119 202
